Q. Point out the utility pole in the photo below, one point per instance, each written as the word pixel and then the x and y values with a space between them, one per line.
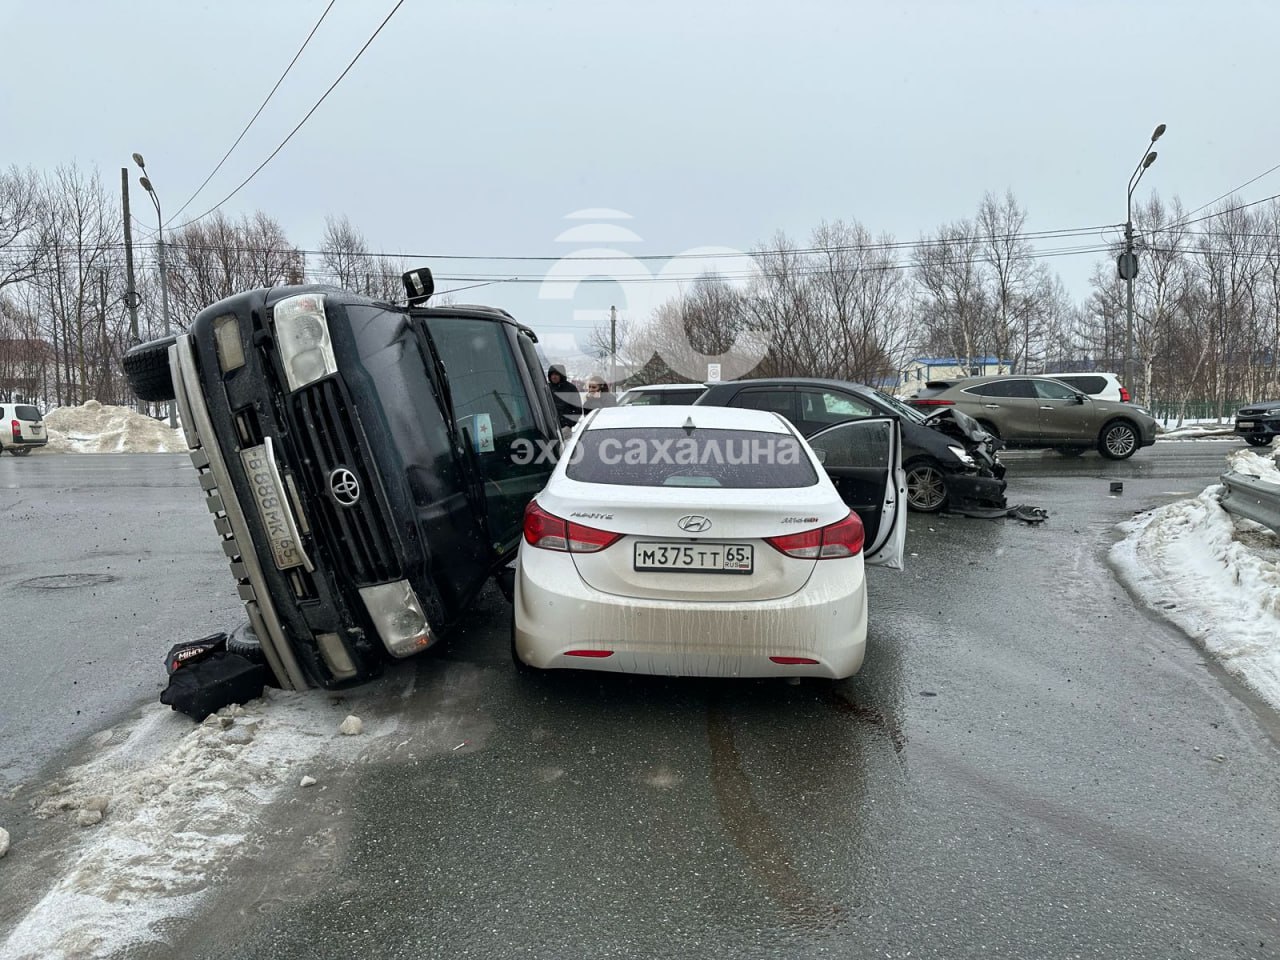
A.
pixel 131 293
pixel 1127 262
pixel 613 347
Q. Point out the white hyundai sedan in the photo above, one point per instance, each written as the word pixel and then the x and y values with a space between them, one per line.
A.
pixel 708 541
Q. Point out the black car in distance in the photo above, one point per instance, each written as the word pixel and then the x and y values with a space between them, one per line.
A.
pixel 949 461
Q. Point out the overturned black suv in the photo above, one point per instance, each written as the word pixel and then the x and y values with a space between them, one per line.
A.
pixel 367 465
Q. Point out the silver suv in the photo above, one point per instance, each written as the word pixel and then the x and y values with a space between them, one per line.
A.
pixel 21 429
pixel 1026 411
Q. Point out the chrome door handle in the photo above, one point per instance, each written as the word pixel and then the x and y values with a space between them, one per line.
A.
pixel 991 406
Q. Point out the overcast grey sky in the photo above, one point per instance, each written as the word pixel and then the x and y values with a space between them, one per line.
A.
pixel 477 126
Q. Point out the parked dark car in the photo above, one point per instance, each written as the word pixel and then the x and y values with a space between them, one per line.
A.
pixel 949 461
pixel 1259 423
pixel 1030 411
pixel 367 465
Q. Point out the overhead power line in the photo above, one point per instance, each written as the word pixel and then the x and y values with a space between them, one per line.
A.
pixel 255 116
pixel 314 108
pixel 1224 196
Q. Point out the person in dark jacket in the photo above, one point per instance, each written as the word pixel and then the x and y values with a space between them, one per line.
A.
pixel 568 400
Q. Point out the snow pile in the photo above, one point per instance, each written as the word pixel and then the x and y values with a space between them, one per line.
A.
pixel 1211 430
pixel 1215 576
pixel 96 427
pixel 178 807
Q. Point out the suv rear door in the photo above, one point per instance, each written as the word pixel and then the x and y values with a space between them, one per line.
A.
pixel 1010 405
pixel 864 460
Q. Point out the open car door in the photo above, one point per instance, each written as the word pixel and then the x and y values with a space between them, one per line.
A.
pixel 864 460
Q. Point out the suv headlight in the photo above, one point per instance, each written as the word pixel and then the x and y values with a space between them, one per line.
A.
pixel 302 333
pixel 963 456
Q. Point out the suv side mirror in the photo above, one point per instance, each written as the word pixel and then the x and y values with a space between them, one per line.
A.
pixel 419 285
pixel 1079 398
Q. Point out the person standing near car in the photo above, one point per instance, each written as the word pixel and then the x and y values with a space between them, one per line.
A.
pixel 598 394
pixel 567 399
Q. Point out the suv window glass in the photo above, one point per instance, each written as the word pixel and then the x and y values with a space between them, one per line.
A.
pixel 1049 390
pixel 669 457
pixel 775 401
pixel 483 380
pixel 1003 388
pixel 26 412
pixel 1085 384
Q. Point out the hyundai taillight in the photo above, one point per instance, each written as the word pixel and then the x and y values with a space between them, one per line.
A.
pixel 549 532
pixel 16 428
pixel 929 402
pixel 840 539
pixel 1124 395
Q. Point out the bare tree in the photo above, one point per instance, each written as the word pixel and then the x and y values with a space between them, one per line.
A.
pixel 952 305
pixel 22 252
pixel 218 257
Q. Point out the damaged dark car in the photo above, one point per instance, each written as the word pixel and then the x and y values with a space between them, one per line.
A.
pixel 367 465
pixel 950 462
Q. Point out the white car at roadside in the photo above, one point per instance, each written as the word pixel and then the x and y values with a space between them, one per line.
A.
pixel 708 541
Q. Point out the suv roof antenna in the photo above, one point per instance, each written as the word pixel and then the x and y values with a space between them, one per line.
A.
pixel 419 285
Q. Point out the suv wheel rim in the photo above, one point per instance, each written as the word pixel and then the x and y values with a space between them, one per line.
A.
pixel 925 488
pixel 1120 440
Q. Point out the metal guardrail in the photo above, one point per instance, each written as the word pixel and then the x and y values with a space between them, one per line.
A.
pixel 1253 498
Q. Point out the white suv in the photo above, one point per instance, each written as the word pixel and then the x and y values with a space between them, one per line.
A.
pixel 21 428
pixel 1100 386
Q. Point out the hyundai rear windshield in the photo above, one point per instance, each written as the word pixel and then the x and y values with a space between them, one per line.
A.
pixel 24 412
pixel 674 457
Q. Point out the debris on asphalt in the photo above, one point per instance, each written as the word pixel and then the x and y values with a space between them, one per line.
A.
pixel 352 726
pixel 87 818
pixel 307 782
pixel 1219 758
pixel 1021 511
pixel 1117 486
pixel 4 841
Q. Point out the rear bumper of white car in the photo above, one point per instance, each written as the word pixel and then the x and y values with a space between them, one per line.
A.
pixel 557 617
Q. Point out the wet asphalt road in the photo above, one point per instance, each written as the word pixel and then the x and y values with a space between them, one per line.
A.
pixel 1024 767
pixel 1014 773
pixel 101 559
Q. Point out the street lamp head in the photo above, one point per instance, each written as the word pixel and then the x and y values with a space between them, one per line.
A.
pixel 137 158
pixel 146 184
pixel 1149 160
pixel 1159 132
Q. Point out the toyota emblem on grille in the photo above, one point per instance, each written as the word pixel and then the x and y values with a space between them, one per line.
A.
pixel 344 487
pixel 694 524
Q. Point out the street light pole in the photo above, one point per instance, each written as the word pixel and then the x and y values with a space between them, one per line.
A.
pixel 1127 264
pixel 164 276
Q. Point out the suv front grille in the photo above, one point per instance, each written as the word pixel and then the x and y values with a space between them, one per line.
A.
pixel 328 438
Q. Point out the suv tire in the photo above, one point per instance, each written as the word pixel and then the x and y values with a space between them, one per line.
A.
pixel 147 368
pixel 1258 441
pixel 1118 440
